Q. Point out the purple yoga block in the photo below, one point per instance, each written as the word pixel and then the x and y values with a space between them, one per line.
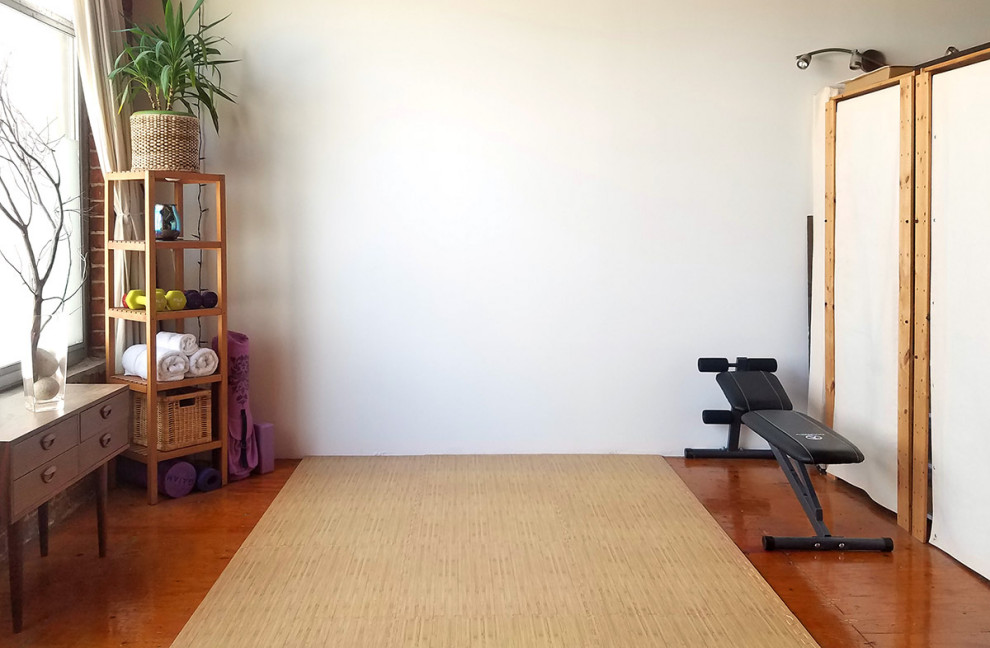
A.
pixel 264 433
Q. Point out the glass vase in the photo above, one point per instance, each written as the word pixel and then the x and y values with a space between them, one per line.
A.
pixel 43 361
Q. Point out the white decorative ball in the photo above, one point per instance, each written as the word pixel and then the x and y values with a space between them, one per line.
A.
pixel 45 363
pixel 46 388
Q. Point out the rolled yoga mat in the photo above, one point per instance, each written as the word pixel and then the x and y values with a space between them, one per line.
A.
pixel 175 478
pixel 242 446
pixel 207 477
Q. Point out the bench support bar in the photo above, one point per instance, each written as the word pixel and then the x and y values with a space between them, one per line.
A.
pixel 823 540
pixel 732 450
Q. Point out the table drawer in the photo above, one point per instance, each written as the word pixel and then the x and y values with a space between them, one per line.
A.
pixel 97 448
pixel 44 481
pixel 112 412
pixel 29 453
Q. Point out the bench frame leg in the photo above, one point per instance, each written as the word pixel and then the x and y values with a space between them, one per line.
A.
pixel 823 540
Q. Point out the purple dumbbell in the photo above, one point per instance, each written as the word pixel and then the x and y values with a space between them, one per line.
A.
pixel 210 298
pixel 193 299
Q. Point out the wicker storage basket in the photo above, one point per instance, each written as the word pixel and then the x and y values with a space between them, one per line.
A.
pixel 164 141
pixel 184 419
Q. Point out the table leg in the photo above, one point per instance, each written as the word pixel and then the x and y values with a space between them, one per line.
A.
pixel 101 507
pixel 43 528
pixel 15 559
pixel 112 477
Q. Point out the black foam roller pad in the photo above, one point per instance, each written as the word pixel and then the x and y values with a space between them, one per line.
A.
pixel 761 364
pixel 713 365
pixel 716 417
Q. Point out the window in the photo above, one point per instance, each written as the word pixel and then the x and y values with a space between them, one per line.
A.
pixel 37 47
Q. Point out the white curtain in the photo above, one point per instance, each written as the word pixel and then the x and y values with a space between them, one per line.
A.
pixel 960 312
pixel 866 287
pixel 867 271
pixel 98 25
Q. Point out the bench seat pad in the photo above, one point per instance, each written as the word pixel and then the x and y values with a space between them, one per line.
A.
pixel 802 437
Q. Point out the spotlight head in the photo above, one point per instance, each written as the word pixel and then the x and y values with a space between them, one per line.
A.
pixel 856 60
pixel 804 61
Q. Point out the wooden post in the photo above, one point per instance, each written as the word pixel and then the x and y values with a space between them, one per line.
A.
pixel 178 255
pixel 905 334
pixel 221 208
pixel 921 439
pixel 150 329
pixel 830 121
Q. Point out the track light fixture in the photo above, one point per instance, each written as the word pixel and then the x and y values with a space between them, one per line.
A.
pixel 867 61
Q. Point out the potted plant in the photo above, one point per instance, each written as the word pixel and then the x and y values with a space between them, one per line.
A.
pixel 178 67
pixel 36 225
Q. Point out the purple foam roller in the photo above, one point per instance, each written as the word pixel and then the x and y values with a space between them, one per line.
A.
pixel 178 479
pixel 175 478
pixel 207 478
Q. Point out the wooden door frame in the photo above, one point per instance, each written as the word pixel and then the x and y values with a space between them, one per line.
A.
pixel 906 396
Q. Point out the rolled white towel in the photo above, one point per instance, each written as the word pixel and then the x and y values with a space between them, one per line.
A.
pixel 202 363
pixel 172 365
pixel 184 343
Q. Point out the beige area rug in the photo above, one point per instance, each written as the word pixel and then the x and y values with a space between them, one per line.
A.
pixel 492 551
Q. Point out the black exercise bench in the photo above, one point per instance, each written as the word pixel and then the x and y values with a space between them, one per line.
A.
pixel 759 401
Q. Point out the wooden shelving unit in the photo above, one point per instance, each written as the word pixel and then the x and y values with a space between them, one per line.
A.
pixel 151 249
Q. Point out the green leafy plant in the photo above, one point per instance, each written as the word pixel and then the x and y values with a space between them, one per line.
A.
pixel 175 65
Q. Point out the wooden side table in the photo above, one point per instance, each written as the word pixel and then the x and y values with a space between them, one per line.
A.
pixel 42 454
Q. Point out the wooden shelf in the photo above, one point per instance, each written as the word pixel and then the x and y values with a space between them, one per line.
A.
pixel 140 246
pixel 141 315
pixel 188 245
pixel 133 246
pixel 141 385
pixel 140 453
pixel 157 175
pixel 152 251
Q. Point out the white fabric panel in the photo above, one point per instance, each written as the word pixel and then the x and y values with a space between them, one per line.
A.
pixel 866 288
pixel 816 357
pixel 960 314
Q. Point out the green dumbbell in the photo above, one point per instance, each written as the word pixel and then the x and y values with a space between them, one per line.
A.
pixel 175 299
pixel 137 300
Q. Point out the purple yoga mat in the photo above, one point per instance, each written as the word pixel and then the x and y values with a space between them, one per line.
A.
pixel 242 447
pixel 175 478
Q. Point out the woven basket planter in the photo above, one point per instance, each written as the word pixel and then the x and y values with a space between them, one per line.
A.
pixel 161 140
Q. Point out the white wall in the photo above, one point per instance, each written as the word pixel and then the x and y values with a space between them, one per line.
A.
pixel 513 225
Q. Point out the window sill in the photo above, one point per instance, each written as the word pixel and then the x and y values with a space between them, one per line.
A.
pixel 87 370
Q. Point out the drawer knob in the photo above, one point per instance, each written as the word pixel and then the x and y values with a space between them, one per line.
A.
pixel 105 411
pixel 106 439
pixel 48 441
pixel 49 474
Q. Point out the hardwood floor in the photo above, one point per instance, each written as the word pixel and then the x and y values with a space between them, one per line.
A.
pixel 162 560
pixel 915 597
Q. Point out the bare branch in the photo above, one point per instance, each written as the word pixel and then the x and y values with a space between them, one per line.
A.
pixel 31 179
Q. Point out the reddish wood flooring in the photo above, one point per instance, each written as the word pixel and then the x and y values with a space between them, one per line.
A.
pixel 914 597
pixel 163 560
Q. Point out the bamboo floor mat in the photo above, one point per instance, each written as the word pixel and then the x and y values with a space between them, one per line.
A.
pixel 493 552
